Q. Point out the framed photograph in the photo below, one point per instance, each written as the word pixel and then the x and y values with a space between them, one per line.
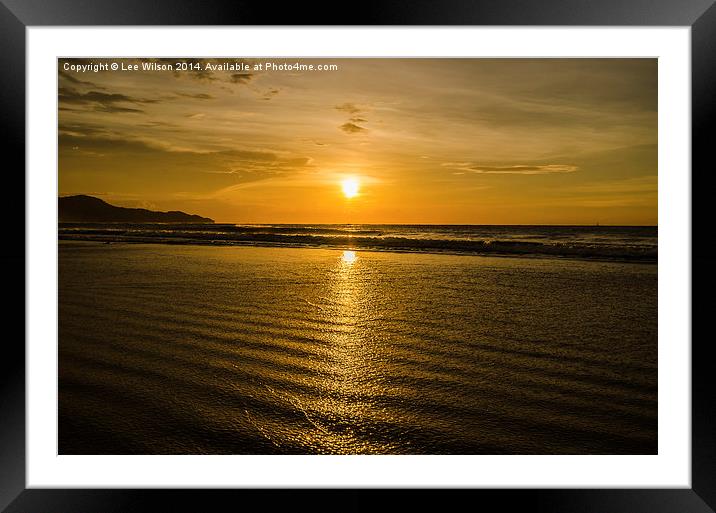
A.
pixel 444 247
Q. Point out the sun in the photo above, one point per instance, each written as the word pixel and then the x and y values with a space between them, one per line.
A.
pixel 350 187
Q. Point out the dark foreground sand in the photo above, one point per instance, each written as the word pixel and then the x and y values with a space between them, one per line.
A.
pixel 206 350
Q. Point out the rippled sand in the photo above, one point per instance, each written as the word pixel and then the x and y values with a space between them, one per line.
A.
pixel 246 350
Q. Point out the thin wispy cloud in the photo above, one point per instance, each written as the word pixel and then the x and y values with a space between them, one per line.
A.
pixel 350 108
pixel 241 78
pixel 69 77
pixel 101 101
pixel 512 170
pixel 351 128
pixel 356 116
pixel 269 94
pixel 197 96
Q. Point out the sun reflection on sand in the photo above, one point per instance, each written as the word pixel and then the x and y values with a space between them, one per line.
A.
pixel 349 257
pixel 338 406
pixel 349 370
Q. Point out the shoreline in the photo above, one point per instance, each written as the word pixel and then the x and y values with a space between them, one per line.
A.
pixel 266 244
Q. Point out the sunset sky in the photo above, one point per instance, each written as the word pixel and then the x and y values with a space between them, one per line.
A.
pixel 444 141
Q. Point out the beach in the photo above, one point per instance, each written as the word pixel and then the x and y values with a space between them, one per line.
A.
pixel 180 348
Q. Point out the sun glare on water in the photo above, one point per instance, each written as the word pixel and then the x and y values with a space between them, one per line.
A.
pixel 350 187
pixel 348 257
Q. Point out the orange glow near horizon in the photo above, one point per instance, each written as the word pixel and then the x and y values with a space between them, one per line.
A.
pixel 379 141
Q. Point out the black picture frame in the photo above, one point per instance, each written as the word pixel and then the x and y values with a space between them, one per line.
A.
pixel 17 15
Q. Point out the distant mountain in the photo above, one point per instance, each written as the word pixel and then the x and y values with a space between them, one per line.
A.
pixel 88 209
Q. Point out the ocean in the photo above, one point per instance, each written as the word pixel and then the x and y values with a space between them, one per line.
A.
pixel 598 242
pixel 226 339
